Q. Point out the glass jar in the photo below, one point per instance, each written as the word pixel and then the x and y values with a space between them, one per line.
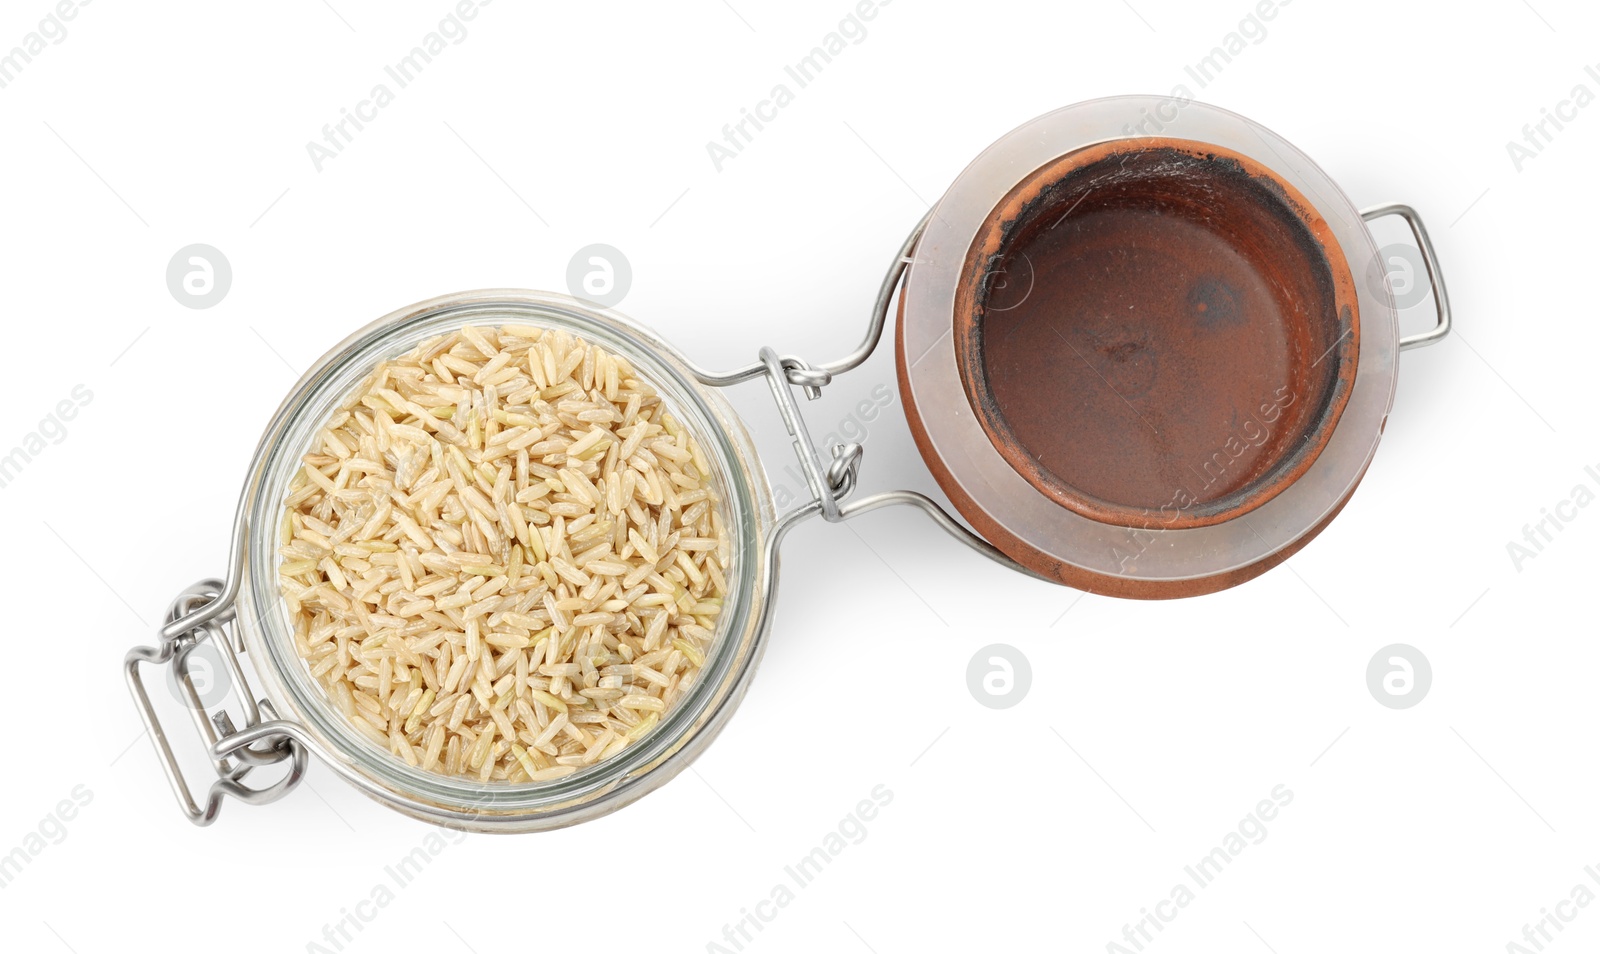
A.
pixel 306 720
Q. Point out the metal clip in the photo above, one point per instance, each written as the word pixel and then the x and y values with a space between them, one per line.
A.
pixel 194 620
pixel 828 486
pixel 831 485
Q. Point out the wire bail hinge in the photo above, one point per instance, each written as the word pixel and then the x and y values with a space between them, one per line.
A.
pixel 829 485
pixel 194 629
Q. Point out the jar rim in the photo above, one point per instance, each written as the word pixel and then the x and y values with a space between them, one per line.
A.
pixel 613 782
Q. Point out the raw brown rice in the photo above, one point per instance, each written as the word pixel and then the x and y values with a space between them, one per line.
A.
pixel 502 557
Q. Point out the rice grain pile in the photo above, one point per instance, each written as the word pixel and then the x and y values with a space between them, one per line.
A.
pixel 503 558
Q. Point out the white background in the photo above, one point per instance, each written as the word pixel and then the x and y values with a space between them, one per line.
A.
pixel 1151 729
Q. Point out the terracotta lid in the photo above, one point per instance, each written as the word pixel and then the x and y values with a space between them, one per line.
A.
pixel 1140 364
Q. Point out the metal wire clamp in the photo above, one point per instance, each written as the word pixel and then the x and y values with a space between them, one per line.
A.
pixel 197 618
pixel 832 484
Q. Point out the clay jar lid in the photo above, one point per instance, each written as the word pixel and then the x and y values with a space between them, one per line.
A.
pixel 1157 333
pixel 1140 364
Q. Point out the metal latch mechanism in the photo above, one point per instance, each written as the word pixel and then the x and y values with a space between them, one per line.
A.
pixel 198 618
pixel 832 484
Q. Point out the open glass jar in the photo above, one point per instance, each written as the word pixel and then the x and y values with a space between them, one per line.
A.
pixel 1033 522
